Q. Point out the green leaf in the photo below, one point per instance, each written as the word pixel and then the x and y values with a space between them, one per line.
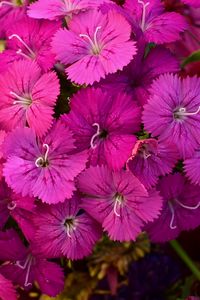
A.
pixel 195 56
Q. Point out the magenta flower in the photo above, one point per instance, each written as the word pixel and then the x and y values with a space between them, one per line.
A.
pixel 30 39
pixel 151 21
pixel 95 45
pixel 7 290
pixel 172 112
pixel 181 208
pixel 66 231
pixel 43 168
pixel 24 99
pixel 119 201
pixel 105 125
pixel 23 268
pixel 151 159
pixel 54 9
pixel 137 77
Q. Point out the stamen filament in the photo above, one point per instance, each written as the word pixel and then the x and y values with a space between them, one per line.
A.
pixel 144 5
pixel 92 145
pixel 94 42
pixel 23 43
pixel 182 112
pixel 6 3
pixel 27 264
pixel 12 205
pixel 173 216
pixel 20 100
pixel 42 159
pixel 19 51
pixel 188 207
pixel 116 205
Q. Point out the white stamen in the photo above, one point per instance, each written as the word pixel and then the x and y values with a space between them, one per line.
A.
pixel 20 100
pixel 92 145
pixel 145 155
pixel 173 216
pixel 182 112
pixel 19 51
pixel 144 5
pixel 188 207
pixel 6 3
pixel 12 205
pixel 118 203
pixel 23 43
pixel 41 159
pixel 94 42
pixel 27 264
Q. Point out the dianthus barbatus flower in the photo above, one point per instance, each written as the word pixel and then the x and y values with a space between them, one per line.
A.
pixel 7 290
pixel 54 9
pixel 181 208
pixel 24 97
pixel 173 112
pixel 151 159
pixel 95 45
pixel 66 231
pixel 119 201
pixel 43 168
pixel 105 124
pixel 150 21
pixel 30 39
pixel 23 268
pixel 137 77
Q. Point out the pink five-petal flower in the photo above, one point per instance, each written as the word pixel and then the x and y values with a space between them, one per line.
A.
pixel 95 45
pixel 54 9
pixel 137 77
pixel 43 168
pixel 119 201
pixel 66 230
pixel 173 112
pixel 151 159
pixel 30 39
pixel 104 124
pixel 23 267
pixel 24 97
pixel 150 21
pixel 7 290
pixel 181 208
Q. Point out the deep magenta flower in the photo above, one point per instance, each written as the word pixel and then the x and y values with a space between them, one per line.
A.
pixel 119 201
pixel 43 168
pixel 194 3
pixel 23 268
pixel 181 208
pixel 30 39
pixel 95 45
pixel 173 112
pixel 151 21
pixel 65 230
pixel 54 9
pixel 104 124
pixel 7 290
pixel 151 159
pixel 24 97
pixel 137 77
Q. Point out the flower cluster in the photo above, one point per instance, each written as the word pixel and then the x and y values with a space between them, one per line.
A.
pixel 99 131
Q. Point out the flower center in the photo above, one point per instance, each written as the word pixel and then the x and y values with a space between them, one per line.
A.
pixel 70 225
pixel 144 6
pixel 118 199
pixel 31 54
pixel 96 48
pixel 171 207
pixel 100 133
pixel 144 151
pixel 180 113
pixel 26 266
pixel 42 161
pixel 21 100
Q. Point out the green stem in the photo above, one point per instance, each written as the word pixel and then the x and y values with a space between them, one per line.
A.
pixel 186 259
